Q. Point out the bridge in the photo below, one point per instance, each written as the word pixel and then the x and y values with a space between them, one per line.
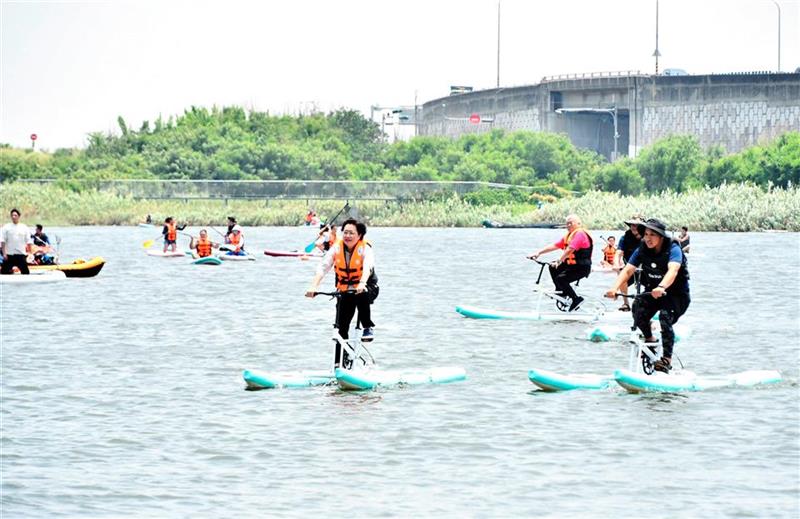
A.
pixel 734 111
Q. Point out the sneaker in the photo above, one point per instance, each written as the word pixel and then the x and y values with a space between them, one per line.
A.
pixel 663 365
pixel 576 303
pixel 625 308
pixel 367 335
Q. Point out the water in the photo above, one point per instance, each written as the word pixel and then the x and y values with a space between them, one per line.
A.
pixel 122 394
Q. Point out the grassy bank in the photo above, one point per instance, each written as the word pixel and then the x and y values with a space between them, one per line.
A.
pixel 725 208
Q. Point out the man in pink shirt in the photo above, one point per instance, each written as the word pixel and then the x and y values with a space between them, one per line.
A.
pixel 575 262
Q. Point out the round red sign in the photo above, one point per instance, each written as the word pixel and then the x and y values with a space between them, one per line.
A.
pixel 474 118
pixel 33 136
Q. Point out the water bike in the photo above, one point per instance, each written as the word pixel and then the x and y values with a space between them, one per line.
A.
pixel 353 368
pixel 641 376
pixel 590 310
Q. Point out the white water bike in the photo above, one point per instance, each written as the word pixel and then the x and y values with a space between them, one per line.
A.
pixel 353 368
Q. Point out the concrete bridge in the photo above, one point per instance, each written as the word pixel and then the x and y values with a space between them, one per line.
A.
pixel 732 110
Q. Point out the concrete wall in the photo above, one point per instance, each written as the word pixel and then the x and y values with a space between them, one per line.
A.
pixel 735 111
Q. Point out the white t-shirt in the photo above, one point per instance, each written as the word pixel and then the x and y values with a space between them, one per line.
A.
pixel 15 237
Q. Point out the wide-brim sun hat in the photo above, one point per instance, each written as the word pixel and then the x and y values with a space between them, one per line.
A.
pixel 635 220
pixel 656 226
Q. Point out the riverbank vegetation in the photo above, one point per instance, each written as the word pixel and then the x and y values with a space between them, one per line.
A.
pixel 702 187
pixel 724 208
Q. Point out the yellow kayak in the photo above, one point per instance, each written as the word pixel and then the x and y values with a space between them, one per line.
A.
pixel 77 269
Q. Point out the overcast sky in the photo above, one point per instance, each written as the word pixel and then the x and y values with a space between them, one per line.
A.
pixel 68 68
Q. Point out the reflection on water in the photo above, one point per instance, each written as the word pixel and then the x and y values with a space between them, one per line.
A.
pixel 122 394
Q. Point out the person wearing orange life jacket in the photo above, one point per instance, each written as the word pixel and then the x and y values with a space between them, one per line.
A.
pixel 235 241
pixel 327 238
pixel 575 262
pixel 609 253
pixel 203 246
pixel 170 232
pixel 353 261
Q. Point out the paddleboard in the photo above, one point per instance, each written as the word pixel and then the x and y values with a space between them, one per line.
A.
pixel 689 381
pixel 475 312
pixel 552 381
pixel 148 225
pixel 604 332
pixel 257 379
pixel 208 260
pixel 235 257
pixel 169 254
pixel 48 276
pixel 291 254
pixel 370 378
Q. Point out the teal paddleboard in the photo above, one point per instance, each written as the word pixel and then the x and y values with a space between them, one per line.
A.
pixel 689 381
pixel 208 260
pixel 371 378
pixel 552 381
pixel 256 379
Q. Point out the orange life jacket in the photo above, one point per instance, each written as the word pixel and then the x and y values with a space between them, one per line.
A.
pixel 203 247
pixel 348 275
pixel 235 239
pixel 172 232
pixel 609 252
pixel 582 256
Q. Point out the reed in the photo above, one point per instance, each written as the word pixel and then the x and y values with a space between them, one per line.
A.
pixel 724 208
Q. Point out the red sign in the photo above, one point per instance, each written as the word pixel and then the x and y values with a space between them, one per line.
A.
pixel 33 136
pixel 474 118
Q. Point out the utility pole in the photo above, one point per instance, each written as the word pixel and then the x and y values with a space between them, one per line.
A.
pixel 656 54
pixel 779 33
pixel 498 43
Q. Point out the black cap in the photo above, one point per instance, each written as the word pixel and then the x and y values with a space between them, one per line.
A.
pixel 654 225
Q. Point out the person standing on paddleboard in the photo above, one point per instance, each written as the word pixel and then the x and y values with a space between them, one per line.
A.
pixel 575 263
pixel 628 243
pixel 15 244
pixel 353 262
pixel 665 276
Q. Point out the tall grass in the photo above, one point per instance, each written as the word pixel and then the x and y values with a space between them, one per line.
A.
pixel 725 208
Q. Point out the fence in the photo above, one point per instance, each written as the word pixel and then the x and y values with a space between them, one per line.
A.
pixel 278 189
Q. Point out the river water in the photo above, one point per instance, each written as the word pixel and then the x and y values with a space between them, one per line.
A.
pixel 122 395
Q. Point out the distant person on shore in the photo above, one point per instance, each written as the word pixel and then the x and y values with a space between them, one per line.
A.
pixel 202 246
pixel 15 245
pixel 665 277
pixel 149 219
pixel 683 239
pixel 609 254
pixel 575 262
pixel 628 243
pixel 170 232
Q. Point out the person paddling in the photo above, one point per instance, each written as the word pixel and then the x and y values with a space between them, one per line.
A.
pixel 665 276
pixel 235 241
pixel 609 253
pixel 15 245
pixel 170 232
pixel 628 243
pixel 203 246
pixel 353 261
pixel 575 262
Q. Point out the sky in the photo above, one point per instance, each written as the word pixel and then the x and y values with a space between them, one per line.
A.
pixel 69 68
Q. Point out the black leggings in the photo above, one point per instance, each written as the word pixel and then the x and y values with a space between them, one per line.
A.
pixel 15 260
pixel 346 307
pixel 565 274
pixel 669 307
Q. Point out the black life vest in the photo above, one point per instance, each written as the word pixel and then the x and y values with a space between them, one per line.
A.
pixel 654 268
pixel 629 244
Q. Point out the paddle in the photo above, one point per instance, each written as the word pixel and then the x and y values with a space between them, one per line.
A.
pixel 330 221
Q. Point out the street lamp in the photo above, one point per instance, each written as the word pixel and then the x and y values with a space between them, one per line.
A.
pixel 612 111
pixel 779 33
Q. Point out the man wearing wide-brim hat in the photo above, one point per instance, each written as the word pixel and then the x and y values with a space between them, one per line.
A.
pixel 665 276
pixel 628 243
